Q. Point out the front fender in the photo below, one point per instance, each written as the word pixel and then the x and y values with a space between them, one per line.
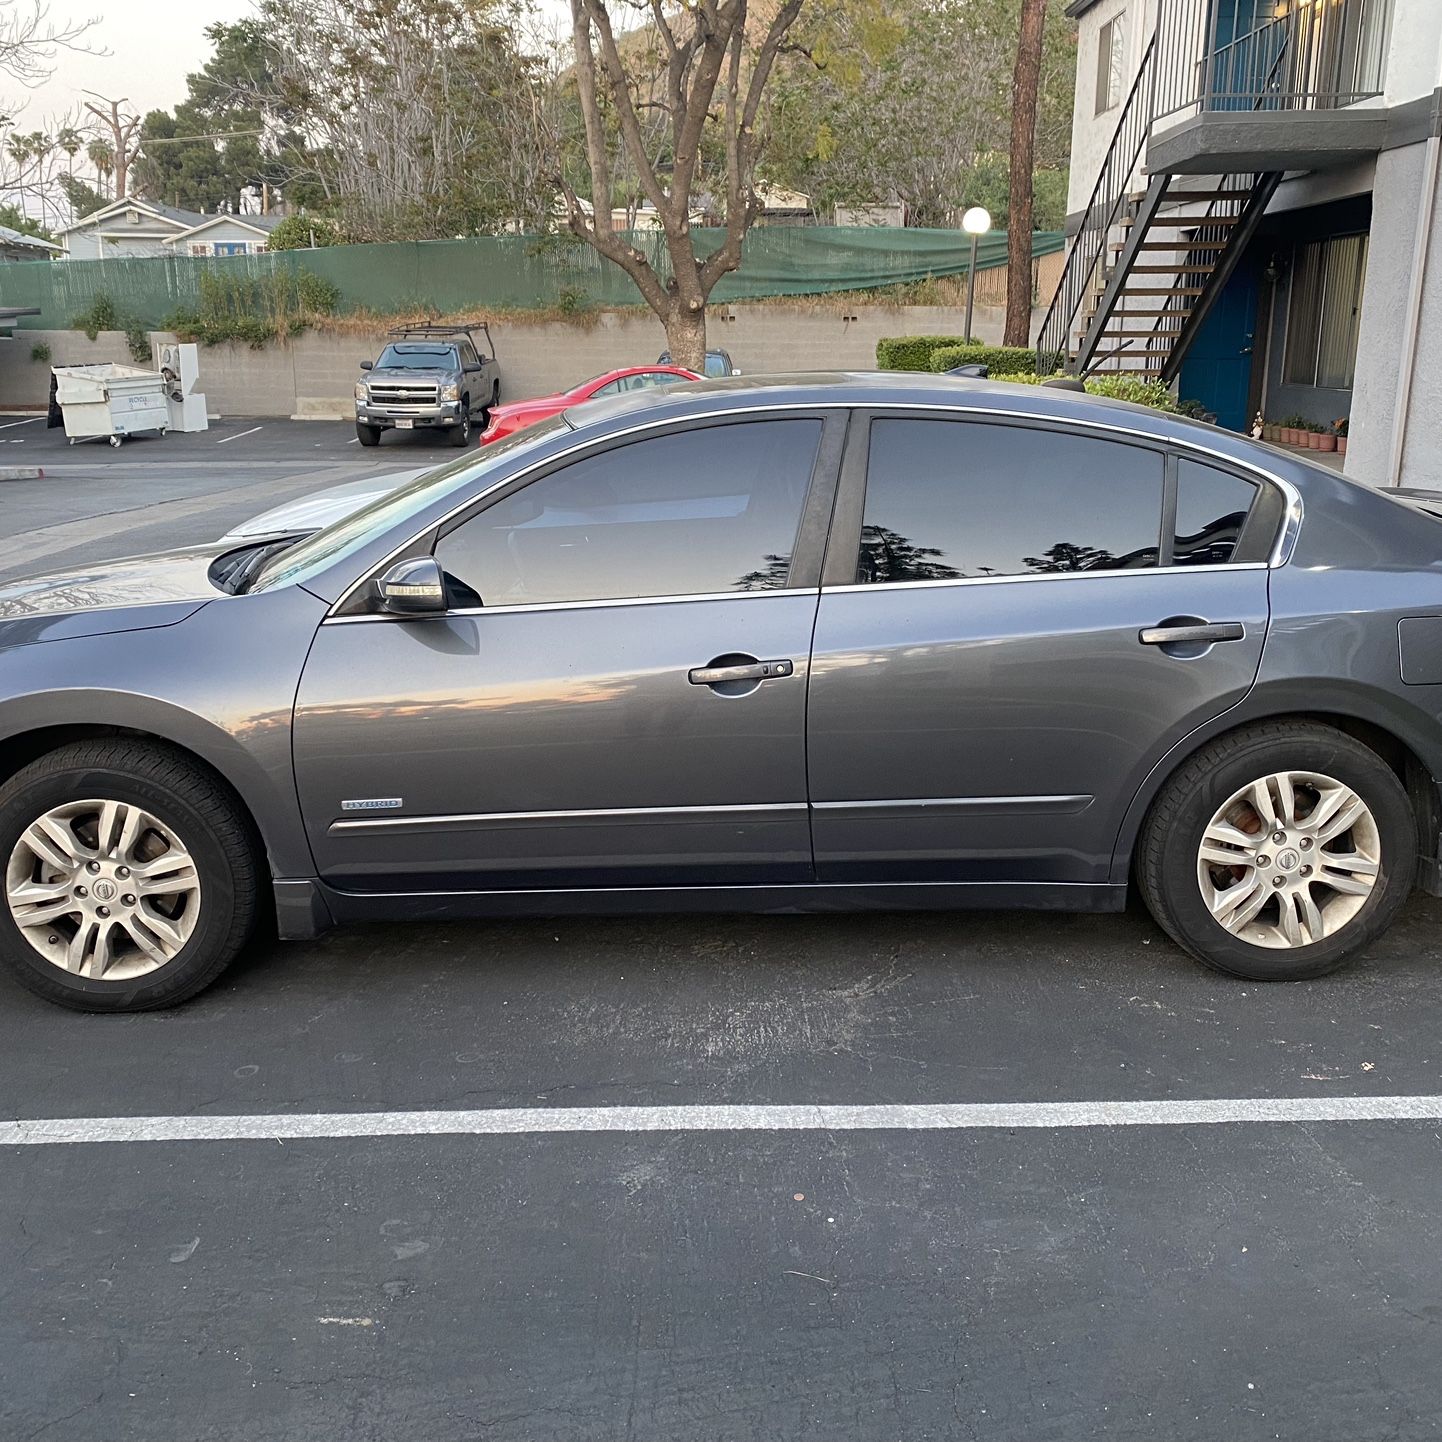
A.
pixel 221 684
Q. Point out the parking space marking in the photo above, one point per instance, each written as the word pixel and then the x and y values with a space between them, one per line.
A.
pixel 517 1121
pixel 28 421
pixel 224 439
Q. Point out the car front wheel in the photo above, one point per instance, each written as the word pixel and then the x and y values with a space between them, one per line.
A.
pixel 131 879
pixel 1278 852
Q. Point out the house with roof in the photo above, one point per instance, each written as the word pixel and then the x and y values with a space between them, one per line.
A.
pixel 133 227
pixel 1256 212
pixel 126 228
pixel 16 245
pixel 225 235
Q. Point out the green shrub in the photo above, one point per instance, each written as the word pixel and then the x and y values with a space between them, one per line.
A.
pixel 235 306
pixel 40 353
pixel 1119 388
pixel 911 352
pixel 100 315
pixel 137 338
pixel 301 232
pixel 1013 359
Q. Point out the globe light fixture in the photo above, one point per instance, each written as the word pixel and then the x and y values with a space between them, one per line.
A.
pixel 976 222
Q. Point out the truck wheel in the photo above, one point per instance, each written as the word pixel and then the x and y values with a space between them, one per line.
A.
pixel 461 435
pixel 367 435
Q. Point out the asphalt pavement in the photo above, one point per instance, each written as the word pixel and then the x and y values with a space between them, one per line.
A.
pixel 619 1239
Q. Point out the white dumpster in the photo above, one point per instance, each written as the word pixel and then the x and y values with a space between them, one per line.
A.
pixel 110 400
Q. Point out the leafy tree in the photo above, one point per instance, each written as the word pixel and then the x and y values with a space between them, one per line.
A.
pixel 915 105
pixel 1069 556
pixel 82 197
pixel 886 555
pixel 410 109
pixel 14 218
pixel 300 232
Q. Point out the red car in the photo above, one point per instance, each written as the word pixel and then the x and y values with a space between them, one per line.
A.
pixel 506 420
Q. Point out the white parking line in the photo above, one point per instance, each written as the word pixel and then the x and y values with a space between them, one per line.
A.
pixel 222 441
pixel 28 421
pixel 515 1121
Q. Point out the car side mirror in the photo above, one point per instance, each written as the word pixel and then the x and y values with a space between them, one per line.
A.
pixel 413 588
pixel 366 365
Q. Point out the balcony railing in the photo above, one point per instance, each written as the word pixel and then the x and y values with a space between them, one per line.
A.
pixel 1306 55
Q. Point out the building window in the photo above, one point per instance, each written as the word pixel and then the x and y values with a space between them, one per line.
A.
pixel 1323 316
pixel 200 250
pixel 1110 63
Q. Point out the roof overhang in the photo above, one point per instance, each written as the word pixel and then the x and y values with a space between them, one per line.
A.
pixel 1228 142
pixel 215 220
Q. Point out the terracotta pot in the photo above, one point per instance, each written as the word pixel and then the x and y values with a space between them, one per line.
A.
pixel 1290 434
pixel 1341 445
pixel 1327 442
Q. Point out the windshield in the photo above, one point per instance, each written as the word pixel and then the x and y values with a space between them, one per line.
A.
pixel 716 364
pixel 352 532
pixel 417 356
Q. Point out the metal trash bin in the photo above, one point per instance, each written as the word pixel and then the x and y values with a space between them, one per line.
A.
pixel 110 400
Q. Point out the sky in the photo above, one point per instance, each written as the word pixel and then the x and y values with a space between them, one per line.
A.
pixel 153 46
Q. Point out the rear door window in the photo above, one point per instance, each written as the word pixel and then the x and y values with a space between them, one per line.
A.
pixel 955 500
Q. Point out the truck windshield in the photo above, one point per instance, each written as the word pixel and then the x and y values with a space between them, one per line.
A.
pixel 417 356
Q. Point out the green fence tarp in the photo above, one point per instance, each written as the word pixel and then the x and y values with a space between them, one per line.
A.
pixel 506 272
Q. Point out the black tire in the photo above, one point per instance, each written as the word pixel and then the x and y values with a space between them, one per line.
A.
pixel 1167 854
pixel 204 817
pixel 367 435
pixel 461 435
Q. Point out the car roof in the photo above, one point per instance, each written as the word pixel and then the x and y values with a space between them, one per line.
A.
pixel 902 388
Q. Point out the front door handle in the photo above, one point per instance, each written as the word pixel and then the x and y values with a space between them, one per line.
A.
pixel 750 671
pixel 1205 632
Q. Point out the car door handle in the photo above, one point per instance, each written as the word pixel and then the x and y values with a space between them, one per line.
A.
pixel 1176 635
pixel 751 671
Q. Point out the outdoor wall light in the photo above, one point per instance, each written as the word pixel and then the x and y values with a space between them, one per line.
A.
pixel 976 222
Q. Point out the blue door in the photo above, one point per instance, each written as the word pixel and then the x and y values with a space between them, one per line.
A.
pixel 1218 368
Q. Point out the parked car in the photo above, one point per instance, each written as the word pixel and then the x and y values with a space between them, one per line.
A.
pixel 507 420
pixel 718 364
pixel 886 640
pixel 430 377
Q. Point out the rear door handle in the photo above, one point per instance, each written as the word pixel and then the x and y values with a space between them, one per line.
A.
pixel 752 671
pixel 1176 635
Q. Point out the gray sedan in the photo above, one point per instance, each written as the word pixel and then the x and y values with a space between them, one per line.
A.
pixel 809 643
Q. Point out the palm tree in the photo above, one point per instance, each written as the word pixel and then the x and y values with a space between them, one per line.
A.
pixel 102 156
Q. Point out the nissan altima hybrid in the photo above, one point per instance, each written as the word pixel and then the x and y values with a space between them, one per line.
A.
pixel 804 643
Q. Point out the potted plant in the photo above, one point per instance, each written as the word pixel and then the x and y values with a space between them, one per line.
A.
pixel 1326 439
pixel 1314 436
pixel 1339 429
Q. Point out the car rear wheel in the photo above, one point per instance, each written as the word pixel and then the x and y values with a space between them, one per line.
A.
pixel 131 879
pixel 1278 852
pixel 367 435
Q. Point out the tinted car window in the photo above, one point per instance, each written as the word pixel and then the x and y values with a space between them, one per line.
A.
pixel 1211 509
pixel 947 500
pixel 696 511
pixel 468 354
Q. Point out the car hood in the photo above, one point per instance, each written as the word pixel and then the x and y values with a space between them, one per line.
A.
pixel 130 594
pixel 321 508
pixel 408 373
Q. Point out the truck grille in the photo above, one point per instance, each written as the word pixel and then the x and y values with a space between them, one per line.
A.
pixel 403 393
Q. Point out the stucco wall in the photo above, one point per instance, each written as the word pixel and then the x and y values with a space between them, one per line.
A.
pixel 314 374
pixel 1385 295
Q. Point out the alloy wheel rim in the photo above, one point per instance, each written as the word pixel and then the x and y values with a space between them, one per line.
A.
pixel 102 889
pixel 1289 859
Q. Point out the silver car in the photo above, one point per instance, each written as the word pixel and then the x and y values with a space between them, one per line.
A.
pixel 818 642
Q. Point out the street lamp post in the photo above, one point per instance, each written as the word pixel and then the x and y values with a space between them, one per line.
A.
pixel 976 222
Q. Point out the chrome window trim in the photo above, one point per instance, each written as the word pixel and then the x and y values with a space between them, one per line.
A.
pixel 522 607
pixel 465 818
pixel 1045 576
pixel 1281 550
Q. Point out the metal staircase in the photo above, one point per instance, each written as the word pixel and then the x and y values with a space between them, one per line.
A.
pixel 1151 257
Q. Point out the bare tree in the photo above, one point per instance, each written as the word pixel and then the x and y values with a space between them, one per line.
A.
pixel 704 46
pixel 29 40
pixel 121 130
pixel 1026 79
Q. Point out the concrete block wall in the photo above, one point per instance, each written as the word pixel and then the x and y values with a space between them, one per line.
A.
pixel 314 374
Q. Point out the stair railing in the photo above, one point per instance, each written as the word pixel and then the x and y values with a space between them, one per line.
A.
pixel 1104 210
